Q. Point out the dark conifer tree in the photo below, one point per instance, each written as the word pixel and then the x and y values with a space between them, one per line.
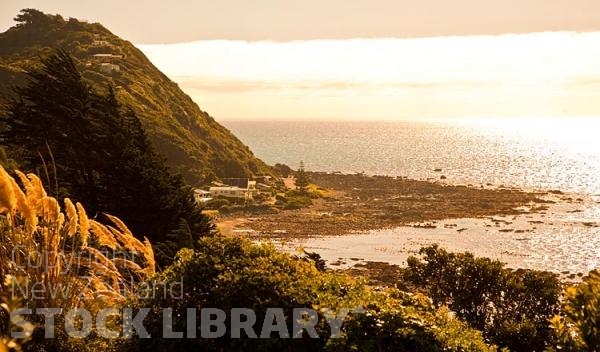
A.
pixel 302 180
pixel 99 149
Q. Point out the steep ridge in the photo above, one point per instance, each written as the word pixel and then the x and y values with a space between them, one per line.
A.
pixel 191 140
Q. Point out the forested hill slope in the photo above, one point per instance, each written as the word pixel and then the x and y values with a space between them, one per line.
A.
pixel 191 140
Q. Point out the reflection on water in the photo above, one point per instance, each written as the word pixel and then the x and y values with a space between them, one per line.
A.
pixel 532 153
pixel 546 154
pixel 559 241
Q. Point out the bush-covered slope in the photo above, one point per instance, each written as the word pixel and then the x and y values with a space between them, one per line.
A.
pixel 193 142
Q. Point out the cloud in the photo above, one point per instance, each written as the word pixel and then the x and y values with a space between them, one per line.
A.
pixel 515 74
pixel 585 82
pixel 231 86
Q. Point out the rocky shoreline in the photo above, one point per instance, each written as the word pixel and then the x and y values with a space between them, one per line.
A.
pixel 368 225
pixel 357 203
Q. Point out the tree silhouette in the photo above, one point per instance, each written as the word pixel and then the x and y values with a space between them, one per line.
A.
pixel 99 150
pixel 302 180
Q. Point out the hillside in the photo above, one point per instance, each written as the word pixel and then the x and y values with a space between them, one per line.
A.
pixel 192 141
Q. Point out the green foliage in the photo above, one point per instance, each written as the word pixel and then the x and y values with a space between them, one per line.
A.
pixel 217 203
pixel 5 161
pixel 181 237
pixel 97 150
pixel 297 202
pixel 248 208
pixel 301 178
pixel 30 17
pixel 578 328
pixel 283 170
pixel 12 299
pixel 194 144
pixel 230 273
pixel 296 199
pixel 512 308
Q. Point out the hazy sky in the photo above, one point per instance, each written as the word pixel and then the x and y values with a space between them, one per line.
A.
pixel 160 21
pixel 416 59
pixel 529 75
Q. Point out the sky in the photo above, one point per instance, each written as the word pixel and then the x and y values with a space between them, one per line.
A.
pixel 525 75
pixel 357 59
pixel 163 22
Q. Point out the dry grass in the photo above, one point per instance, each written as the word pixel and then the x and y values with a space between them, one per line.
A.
pixel 90 264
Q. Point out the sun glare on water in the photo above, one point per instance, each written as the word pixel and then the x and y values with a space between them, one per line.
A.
pixel 572 134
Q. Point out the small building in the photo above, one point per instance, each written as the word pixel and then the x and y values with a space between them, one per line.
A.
pixel 263 187
pixel 107 57
pixel 252 187
pixel 100 43
pixel 201 196
pixel 266 179
pixel 236 182
pixel 107 67
pixel 230 192
pixel 242 183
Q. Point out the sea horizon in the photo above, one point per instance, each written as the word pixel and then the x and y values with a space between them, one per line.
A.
pixel 530 153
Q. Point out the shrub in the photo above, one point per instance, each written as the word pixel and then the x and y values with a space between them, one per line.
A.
pixel 297 200
pixel 283 169
pixel 216 204
pixel 98 148
pixel 512 308
pixel 249 208
pixel 11 299
pixel 228 273
pixel 578 328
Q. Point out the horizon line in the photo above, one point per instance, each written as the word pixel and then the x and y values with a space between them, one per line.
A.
pixel 274 41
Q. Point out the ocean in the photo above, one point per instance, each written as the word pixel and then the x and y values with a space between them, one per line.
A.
pixel 547 154
pixel 532 154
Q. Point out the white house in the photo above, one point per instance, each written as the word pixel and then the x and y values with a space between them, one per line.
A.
pixel 107 57
pixel 100 43
pixel 263 187
pixel 230 192
pixel 252 187
pixel 242 183
pixel 201 196
pixel 264 179
pixel 107 67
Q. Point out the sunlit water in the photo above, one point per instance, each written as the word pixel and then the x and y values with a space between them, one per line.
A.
pixel 534 153
pixel 550 154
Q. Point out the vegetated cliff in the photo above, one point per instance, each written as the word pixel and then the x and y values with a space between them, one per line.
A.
pixel 192 141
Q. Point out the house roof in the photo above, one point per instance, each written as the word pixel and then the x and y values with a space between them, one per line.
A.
pixel 107 56
pixel 238 182
pixel 227 188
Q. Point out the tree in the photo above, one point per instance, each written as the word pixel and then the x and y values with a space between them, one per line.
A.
pixel 227 273
pixel 302 180
pixel 283 169
pixel 97 150
pixel 31 17
pixel 50 118
pixel 578 328
pixel 512 308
